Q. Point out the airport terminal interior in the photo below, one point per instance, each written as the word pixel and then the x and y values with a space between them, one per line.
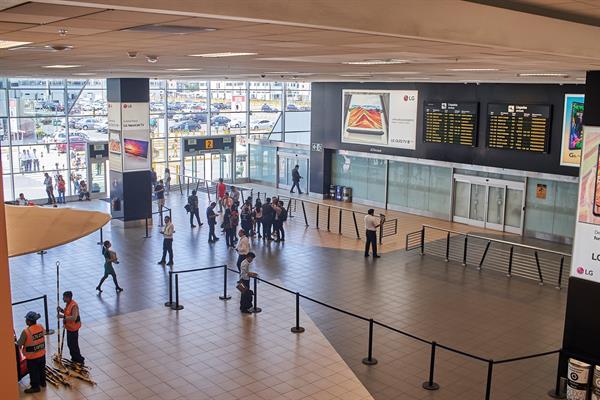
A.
pixel 308 200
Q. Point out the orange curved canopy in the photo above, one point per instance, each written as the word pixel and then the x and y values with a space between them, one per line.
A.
pixel 32 229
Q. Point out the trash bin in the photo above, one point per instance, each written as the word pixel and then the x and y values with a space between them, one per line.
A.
pixel 339 192
pixel 332 192
pixel 577 379
pixel 347 194
pixel 596 384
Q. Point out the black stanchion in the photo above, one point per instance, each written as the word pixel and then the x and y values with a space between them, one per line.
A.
pixel 510 261
pixel 48 330
pixel 464 262
pixel 224 297
pixel 370 360
pixel 170 302
pixel 340 222
pixel 355 225
pixel 255 309
pixel 297 328
pixel 448 247
pixel 557 392
pixel 560 272
pixel 146 221
pixel 422 238
pixel 488 386
pixel 430 384
pixel 487 247
pixel 317 216
pixel 304 212
pixel 42 252
pixel 177 306
pixel 539 268
pixel 101 239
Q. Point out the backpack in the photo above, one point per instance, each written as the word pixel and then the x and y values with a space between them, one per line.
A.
pixel 283 215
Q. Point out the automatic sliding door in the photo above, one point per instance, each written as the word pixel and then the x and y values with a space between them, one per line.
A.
pixel 514 211
pixel 495 208
pixel 477 205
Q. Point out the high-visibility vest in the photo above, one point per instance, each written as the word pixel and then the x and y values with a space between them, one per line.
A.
pixel 71 325
pixel 35 344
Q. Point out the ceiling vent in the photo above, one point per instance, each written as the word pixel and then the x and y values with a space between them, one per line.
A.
pixel 42 49
pixel 169 29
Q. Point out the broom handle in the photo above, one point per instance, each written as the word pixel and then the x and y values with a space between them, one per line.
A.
pixel 57 305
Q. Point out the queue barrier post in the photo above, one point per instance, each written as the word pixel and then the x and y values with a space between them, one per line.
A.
pixel 355 225
pixel 304 212
pixel 255 309
pixel 560 272
pixel 558 391
pixel 340 222
pixel 146 221
pixel 46 319
pixel 297 328
pixel 464 260
pixel 101 238
pixel 488 386
pixel 422 240
pixel 539 268
pixel 317 216
pixel 430 384
pixel 510 261
pixel 225 296
pixel 328 218
pixel 369 360
pixel 487 247
pixel 448 247
pixel 170 302
pixel 177 306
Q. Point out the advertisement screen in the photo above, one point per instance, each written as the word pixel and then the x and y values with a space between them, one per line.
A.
pixel 380 118
pixel 572 133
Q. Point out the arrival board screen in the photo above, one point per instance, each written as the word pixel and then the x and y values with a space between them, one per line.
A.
pixel 519 127
pixel 450 122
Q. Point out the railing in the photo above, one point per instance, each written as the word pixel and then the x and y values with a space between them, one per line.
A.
pixel 429 384
pixel 47 331
pixel 344 221
pixel 512 258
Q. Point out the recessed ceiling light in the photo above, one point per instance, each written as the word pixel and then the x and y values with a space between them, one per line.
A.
pixel 5 44
pixel 396 73
pixel 61 66
pixel 551 74
pixel 580 79
pixel 471 69
pixel 183 69
pixel 376 62
pixel 225 54
pixel 83 73
pixel 412 78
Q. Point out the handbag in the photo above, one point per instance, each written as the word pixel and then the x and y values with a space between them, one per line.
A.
pixel 241 287
pixel 188 208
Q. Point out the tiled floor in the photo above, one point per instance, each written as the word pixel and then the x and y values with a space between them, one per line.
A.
pixel 210 351
pixel 478 312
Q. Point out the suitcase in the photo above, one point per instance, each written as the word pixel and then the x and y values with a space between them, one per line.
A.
pixel 246 300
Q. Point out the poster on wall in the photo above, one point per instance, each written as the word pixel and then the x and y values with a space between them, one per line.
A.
pixel 380 117
pixel 586 248
pixel 135 128
pixel 116 194
pixel 114 137
pixel 572 130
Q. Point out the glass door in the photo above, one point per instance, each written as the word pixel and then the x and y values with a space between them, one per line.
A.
pixel 489 203
pixel 284 180
pixel 97 178
pixel 304 170
pixel 227 166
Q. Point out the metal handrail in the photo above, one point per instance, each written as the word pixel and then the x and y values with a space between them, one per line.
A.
pixel 507 242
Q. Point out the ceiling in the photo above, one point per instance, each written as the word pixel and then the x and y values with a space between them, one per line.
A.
pixel 437 40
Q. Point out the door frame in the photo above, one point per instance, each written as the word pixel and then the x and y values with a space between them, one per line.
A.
pixel 487 183
pixel 296 158
pixel 204 154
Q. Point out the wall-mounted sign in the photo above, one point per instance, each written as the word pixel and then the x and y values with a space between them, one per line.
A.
pixel 572 130
pixel 380 117
pixel 586 249
pixel 519 126
pixel 541 191
pixel 317 147
pixel 450 122
pixel 193 145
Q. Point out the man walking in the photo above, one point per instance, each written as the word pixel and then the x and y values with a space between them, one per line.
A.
pixel 33 344
pixel 371 225
pixel 243 248
pixel 211 218
pixel 296 179
pixel 70 314
pixel 245 275
pixel 194 209
pixel 159 190
pixel 167 231
pixel 267 219
pixel 49 188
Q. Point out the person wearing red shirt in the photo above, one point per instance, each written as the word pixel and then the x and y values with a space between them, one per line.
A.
pixel 220 193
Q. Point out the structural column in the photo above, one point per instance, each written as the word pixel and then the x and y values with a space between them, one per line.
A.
pixel 129 149
pixel 582 325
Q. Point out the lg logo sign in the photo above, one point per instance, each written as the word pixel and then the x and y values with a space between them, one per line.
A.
pixel 409 98
pixel 583 271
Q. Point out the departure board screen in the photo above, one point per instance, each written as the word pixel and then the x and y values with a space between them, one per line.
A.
pixel 519 127
pixel 450 122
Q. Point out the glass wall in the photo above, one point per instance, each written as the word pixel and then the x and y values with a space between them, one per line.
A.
pixel 551 213
pixel 45 124
pixel 366 176
pixel 264 164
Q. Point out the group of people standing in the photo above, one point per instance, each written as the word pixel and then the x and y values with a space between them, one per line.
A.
pixel 61 188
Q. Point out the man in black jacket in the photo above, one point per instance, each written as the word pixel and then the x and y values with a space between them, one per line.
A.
pixel 194 209
pixel 296 179
pixel 268 215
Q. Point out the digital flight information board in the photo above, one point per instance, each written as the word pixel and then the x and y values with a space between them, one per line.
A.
pixel 519 127
pixel 450 122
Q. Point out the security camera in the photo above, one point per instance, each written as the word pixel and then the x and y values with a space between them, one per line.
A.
pixel 132 54
pixel 263 76
pixel 152 59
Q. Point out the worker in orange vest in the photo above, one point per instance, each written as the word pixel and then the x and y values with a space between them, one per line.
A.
pixel 33 344
pixel 70 314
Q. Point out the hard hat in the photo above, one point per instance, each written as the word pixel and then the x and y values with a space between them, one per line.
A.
pixel 32 316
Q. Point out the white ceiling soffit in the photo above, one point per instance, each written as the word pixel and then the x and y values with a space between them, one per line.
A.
pixel 306 36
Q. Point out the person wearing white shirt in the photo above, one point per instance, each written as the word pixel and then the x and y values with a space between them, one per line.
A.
pixel 371 225
pixel 168 231
pixel 243 248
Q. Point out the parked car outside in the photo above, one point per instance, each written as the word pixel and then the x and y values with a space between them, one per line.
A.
pixel 77 143
pixel 261 124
